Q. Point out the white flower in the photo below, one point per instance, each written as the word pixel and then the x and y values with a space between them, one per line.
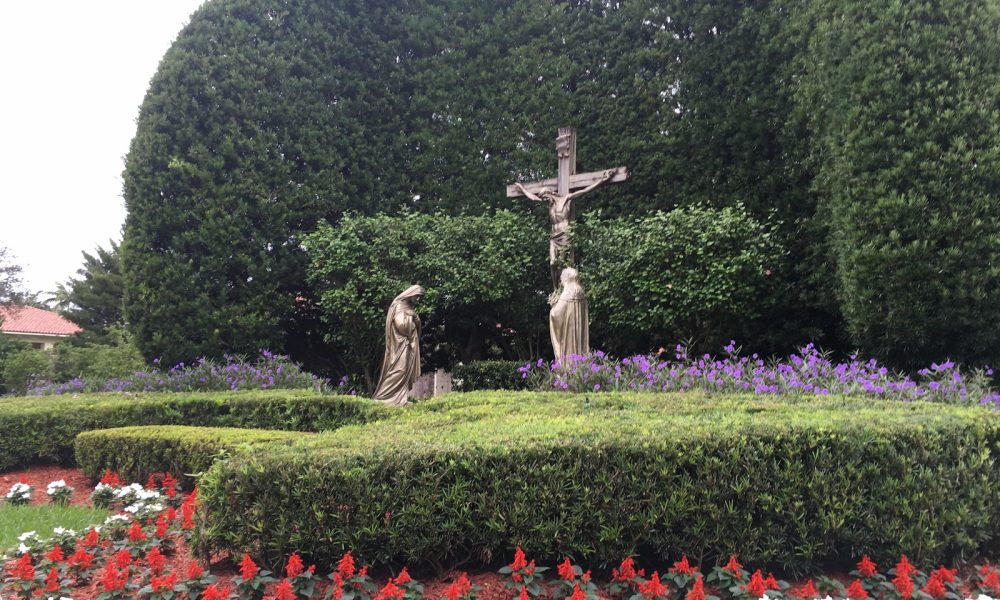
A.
pixel 61 531
pixel 22 549
pixel 27 534
pixel 102 486
pixel 981 597
pixel 115 519
pixel 56 484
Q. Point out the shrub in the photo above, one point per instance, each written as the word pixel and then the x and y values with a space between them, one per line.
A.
pixel 27 368
pixel 488 375
pixel 135 452
pixel 43 429
pixel 97 362
pixel 784 482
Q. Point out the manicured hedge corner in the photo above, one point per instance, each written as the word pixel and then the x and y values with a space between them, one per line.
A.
pixel 42 429
pixel 135 452
pixel 787 483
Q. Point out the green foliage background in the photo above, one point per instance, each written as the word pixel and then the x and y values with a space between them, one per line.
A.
pixel 267 117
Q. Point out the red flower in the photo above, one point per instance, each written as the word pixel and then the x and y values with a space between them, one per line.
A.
pixel 161 526
pixel 990 579
pixel 625 572
pixel 81 558
pixel 935 587
pixel 111 478
pixel 294 567
pixel 164 584
pixel 52 580
pixel 150 482
pixel 733 566
pixel 171 513
pixel 403 578
pixel 904 585
pixel 112 579
pixel 520 561
pixel 697 590
pixel 345 568
pixel 771 583
pixel 756 587
pixel 215 592
pixel 946 575
pixel 23 569
pixel 391 590
pixel 135 532
pixel 524 594
pixel 194 571
pixel 566 570
pixel 248 568
pixel 122 558
pixel 653 588
pixel 187 513
pixel 683 566
pixel 458 588
pixel 55 554
pixel 284 591
pixel 807 591
pixel 338 586
pixel 155 561
pixel 856 591
pixel 530 568
pixel 903 567
pixel 866 567
pixel 577 593
pixel 91 539
pixel 170 485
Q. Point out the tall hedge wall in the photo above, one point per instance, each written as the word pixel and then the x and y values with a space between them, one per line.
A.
pixel 43 428
pixel 781 482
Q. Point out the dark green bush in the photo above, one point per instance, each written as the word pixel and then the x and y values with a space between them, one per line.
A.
pixel 135 452
pixel 782 482
pixel 43 428
pixel 26 368
pixel 488 375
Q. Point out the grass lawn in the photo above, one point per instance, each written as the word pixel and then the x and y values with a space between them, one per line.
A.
pixel 15 520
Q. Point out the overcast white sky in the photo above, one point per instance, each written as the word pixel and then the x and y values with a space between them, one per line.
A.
pixel 72 76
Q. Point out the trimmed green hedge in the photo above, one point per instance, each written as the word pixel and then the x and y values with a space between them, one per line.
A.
pixel 135 452
pixel 42 429
pixel 785 482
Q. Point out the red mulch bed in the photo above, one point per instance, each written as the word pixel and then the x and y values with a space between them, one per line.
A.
pixel 41 476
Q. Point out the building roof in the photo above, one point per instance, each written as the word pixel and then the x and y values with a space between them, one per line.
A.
pixel 28 319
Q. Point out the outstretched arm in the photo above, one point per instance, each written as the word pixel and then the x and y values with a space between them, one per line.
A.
pixel 529 195
pixel 607 175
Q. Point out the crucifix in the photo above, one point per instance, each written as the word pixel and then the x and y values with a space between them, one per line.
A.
pixel 559 193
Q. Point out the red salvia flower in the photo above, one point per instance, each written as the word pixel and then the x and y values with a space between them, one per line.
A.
pixel 155 561
pixel 935 587
pixel 248 568
pixel 990 579
pixel 458 588
pixel 55 554
pixel 524 594
pixel 756 587
pixel 566 571
pixel 81 558
pixel 111 478
pixel 187 513
pixel 586 577
pixel 403 578
pixel 520 561
pixel 284 591
pixel 904 585
pixel 807 591
pixel 338 586
pixel 866 567
pixel 697 590
pixel 122 558
pixel 856 591
pixel 733 566
pixel 625 572
pixel 903 567
pixel 577 593
pixel 294 568
pixel 345 568
pixel 112 579
pixel 530 569
pixel 164 584
pixel 390 591
pixel 161 526
pixel 194 570
pixel 169 485
pixel 150 483
pixel 946 575
pixel 171 513
pixel 653 588
pixel 215 592
pixel 52 580
pixel 771 583
pixel 91 539
pixel 24 569
pixel 683 567
pixel 135 532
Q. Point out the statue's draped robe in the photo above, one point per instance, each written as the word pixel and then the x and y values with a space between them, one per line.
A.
pixel 569 325
pixel 401 364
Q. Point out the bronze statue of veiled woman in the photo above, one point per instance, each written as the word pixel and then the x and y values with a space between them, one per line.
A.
pixel 401 364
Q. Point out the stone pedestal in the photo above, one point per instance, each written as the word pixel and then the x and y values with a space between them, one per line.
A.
pixel 433 384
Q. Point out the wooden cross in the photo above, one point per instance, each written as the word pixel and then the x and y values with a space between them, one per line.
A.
pixel 559 193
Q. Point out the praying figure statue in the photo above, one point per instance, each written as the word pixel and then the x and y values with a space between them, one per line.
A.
pixel 560 217
pixel 569 324
pixel 401 364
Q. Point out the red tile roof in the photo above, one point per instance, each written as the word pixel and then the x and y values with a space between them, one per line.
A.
pixel 28 319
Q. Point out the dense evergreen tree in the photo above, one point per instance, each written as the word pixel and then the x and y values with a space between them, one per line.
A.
pixel 94 300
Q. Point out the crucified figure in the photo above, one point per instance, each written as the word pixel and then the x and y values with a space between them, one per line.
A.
pixel 560 217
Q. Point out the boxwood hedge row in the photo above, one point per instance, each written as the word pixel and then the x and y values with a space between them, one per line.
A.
pixel 793 484
pixel 135 452
pixel 42 429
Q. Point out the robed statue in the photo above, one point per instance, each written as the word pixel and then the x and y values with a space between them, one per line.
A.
pixel 569 324
pixel 401 364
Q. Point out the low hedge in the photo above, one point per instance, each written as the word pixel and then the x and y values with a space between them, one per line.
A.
pixel 42 429
pixel 488 375
pixel 135 452
pixel 790 483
